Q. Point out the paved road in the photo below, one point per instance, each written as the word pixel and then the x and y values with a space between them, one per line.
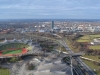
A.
pixel 86 68
pixel 79 61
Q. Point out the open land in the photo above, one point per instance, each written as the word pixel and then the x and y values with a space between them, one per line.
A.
pixel 4 71
pixel 12 52
pixel 93 66
pixel 88 39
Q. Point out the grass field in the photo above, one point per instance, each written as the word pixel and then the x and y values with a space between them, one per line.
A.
pixel 12 52
pixel 88 38
pixel 13 48
pixel 92 66
pixel 70 45
pixel 13 45
pixel 85 38
pixel 92 57
pixel 96 47
pixel 4 71
pixel 95 36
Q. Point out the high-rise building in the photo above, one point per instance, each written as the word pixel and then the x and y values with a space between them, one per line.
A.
pixel 52 24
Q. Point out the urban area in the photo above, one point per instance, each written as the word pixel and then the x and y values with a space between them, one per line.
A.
pixel 49 47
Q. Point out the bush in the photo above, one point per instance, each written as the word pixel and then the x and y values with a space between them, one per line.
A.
pixel 13 59
pixel 30 66
pixel 99 57
pixel 66 60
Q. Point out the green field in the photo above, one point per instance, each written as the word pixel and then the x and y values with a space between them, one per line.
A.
pixel 13 45
pixel 93 66
pixel 96 47
pixel 83 40
pixel 12 52
pixel 4 71
pixel 92 57
pixel 87 38
pixel 95 36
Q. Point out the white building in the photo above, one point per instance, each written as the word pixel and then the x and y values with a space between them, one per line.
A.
pixel 95 42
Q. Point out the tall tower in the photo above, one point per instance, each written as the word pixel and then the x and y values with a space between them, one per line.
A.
pixel 52 24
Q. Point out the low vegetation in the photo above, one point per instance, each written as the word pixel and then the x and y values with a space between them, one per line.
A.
pixel 30 66
pixel 72 45
pixel 84 39
pixel 93 66
pixel 84 46
pixel 12 52
pixel 13 59
pixel 66 60
pixel 47 45
pixel 81 43
pixel 4 71
pixel 96 58
pixel 95 47
pixel 61 48
pixel 87 38
pixel 13 45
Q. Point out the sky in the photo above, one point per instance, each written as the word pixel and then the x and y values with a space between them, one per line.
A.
pixel 49 9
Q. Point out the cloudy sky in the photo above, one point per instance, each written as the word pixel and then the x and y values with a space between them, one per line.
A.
pixel 49 9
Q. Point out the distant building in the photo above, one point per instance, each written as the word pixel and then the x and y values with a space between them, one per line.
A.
pixel 56 29
pixel 95 41
pixel 81 27
pixel 41 31
pixel 52 24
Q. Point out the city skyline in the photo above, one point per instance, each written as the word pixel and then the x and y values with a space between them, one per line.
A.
pixel 53 9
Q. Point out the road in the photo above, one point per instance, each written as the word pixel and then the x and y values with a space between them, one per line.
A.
pixel 79 61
